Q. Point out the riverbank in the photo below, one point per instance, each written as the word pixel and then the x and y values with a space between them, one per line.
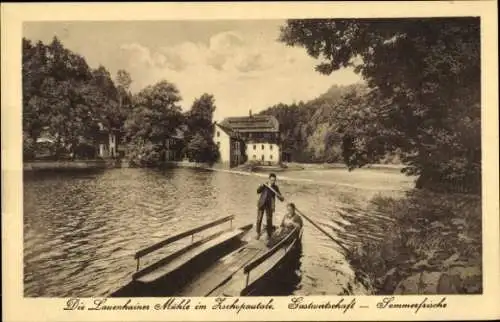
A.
pixel 285 167
pixel 431 245
pixel 373 179
pixel 319 166
pixel 67 165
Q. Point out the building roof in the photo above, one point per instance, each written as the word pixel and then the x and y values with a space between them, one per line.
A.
pixel 225 129
pixel 253 123
pixel 231 133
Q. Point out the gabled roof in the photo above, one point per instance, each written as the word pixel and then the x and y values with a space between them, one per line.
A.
pixel 254 123
pixel 228 131
pixel 225 129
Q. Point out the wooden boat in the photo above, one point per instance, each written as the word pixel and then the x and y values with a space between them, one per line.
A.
pixel 248 270
pixel 229 262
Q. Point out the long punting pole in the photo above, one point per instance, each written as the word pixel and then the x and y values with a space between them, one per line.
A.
pixel 321 229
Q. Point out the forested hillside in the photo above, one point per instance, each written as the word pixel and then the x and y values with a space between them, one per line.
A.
pixel 313 131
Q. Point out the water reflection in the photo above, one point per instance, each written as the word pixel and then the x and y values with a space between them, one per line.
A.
pixel 82 229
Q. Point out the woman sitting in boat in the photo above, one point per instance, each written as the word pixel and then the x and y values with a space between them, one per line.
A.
pixel 290 220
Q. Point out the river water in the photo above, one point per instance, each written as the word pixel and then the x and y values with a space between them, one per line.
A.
pixel 82 229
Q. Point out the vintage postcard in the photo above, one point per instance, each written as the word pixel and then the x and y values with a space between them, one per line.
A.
pixel 326 161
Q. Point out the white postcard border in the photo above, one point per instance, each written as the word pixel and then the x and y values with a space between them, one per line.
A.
pixel 18 308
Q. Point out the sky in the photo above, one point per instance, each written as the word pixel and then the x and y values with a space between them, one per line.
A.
pixel 240 62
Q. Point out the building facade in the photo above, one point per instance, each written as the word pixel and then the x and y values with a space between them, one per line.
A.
pixel 231 147
pixel 263 152
pixel 108 142
pixel 108 146
pixel 174 145
pixel 255 138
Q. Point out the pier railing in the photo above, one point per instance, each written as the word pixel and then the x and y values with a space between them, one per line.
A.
pixel 145 251
pixel 284 244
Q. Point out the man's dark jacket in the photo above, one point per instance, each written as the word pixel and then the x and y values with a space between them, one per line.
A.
pixel 267 198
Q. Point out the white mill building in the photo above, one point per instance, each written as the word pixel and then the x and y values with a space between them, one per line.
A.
pixel 254 138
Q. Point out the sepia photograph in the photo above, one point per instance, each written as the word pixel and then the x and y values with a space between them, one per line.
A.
pixel 261 157
pixel 250 162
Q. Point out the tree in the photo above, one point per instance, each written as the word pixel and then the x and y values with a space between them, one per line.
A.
pixel 124 80
pixel 155 117
pixel 424 76
pixel 33 74
pixel 156 114
pixel 200 125
pixel 199 117
pixel 54 84
pixel 64 97
pixel 109 96
pixel 201 149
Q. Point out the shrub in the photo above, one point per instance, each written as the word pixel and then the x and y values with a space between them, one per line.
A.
pixel 425 229
pixel 28 148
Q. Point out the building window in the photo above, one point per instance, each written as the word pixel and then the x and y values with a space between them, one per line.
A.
pixel 271 147
pixel 254 157
pixel 254 147
pixel 271 157
pixel 218 133
pixel 262 157
pixel 218 144
pixel 262 146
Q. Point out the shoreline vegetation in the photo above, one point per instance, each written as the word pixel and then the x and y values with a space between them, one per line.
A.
pixel 430 244
pixel 426 116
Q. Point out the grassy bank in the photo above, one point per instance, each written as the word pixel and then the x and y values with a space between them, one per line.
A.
pixel 431 245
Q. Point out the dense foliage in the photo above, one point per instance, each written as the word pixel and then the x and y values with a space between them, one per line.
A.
pixel 65 100
pixel 422 99
pixel 68 109
pixel 155 117
pixel 200 125
pixel 312 132
pixel 424 233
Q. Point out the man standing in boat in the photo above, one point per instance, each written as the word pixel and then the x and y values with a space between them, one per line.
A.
pixel 267 200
